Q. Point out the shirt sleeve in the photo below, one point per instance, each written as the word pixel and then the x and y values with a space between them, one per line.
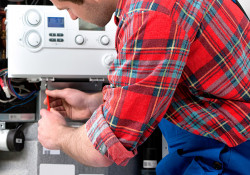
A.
pixel 152 52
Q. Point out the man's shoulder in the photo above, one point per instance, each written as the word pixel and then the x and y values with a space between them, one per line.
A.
pixel 138 6
pixel 165 6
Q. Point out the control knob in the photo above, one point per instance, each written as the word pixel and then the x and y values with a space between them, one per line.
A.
pixel 79 39
pixel 108 60
pixel 33 18
pixel 33 39
pixel 104 40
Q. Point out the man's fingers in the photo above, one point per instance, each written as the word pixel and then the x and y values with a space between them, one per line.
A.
pixel 43 112
pixel 55 111
pixel 56 102
pixel 59 108
pixel 56 93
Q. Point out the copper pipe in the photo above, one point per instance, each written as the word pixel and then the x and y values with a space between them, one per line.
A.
pixel 3 24
pixel 3 33
pixel 2 13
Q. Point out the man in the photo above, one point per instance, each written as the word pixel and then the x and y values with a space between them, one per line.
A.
pixel 184 60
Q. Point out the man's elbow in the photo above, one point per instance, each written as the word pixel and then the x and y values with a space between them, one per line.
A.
pixel 102 161
pixel 107 163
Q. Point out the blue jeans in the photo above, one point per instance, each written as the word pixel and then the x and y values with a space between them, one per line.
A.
pixel 191 154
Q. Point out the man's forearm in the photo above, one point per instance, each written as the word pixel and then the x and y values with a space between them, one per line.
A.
pixel 75 143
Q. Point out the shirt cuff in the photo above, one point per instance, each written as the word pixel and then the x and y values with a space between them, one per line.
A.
pixel 105 141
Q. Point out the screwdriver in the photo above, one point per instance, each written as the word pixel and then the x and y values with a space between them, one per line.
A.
pixel 46 87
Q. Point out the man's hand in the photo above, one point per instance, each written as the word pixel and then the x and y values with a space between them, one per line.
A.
pixel 53 133
pixel 74 104
pixel 50 126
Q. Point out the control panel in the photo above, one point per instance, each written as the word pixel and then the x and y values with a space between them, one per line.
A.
pixel 43 41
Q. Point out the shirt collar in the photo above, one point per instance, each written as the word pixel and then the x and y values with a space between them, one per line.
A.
pixel 119 8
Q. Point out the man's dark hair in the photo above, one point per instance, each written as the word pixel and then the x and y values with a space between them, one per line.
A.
pixel 74 1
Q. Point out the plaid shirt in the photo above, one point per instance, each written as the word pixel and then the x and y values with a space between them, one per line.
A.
pixel 185 60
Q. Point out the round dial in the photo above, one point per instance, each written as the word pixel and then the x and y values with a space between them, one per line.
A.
pixel 33 18
pixel 33 39
pixel 108 60
pixel 79 39
pixel 104 40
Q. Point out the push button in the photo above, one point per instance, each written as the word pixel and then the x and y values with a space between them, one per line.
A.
pixel 217 165
pixel 59 40
pixel 52 40
pixel 52 34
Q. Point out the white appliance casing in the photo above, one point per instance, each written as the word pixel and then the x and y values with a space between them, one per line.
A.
pixel 43 58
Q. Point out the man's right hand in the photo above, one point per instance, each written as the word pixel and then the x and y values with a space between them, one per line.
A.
pixel 74 104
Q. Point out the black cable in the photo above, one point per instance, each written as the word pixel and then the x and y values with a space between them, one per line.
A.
pixel 20 126
pixel 36 2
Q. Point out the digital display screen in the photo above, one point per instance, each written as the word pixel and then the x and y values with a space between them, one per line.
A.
pixel 83 25
pixel 56 22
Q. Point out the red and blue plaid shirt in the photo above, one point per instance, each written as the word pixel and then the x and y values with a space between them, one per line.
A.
pixel 185 60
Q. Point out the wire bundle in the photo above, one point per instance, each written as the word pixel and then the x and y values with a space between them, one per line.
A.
pixel 16 92
pixel 34 2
